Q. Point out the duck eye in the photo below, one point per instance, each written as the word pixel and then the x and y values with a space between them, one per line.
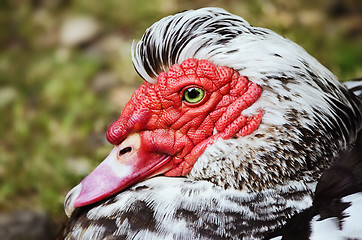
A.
pixel 193 95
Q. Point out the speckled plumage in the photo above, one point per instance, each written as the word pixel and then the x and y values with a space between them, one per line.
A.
pixel 242 187
pixel 179 208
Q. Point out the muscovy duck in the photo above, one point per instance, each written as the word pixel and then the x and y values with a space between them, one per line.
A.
pixel 226 139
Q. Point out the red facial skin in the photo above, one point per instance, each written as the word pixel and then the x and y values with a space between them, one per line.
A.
pixel 169 125
pixel 159 132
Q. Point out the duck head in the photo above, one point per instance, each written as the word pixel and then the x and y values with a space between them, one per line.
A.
pixel 166 126
pixel 222 101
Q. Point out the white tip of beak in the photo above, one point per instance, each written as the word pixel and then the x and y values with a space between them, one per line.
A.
pixel 70 198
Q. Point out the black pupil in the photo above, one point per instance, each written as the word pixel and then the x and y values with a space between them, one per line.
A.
pixel 193 93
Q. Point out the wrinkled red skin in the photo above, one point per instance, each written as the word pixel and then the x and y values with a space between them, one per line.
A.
pixel 169 125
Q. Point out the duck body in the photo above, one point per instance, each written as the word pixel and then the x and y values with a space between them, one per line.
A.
pixel 337 203
pixel 241 122
pixel 179 208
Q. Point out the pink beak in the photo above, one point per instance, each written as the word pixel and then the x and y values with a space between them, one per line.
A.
pixel 127 164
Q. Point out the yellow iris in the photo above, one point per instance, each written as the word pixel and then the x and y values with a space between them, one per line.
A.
pixel 193 95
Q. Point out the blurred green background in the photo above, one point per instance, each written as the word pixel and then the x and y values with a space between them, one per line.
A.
pixel 66 73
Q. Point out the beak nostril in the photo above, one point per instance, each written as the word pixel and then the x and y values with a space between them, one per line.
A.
pixel 124 151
